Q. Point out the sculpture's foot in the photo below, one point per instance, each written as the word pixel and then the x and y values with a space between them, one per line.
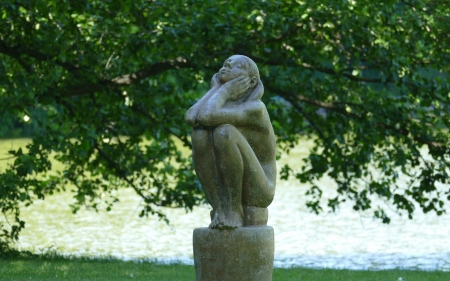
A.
pixel 227 220
pixel 217 219
pixel 233 220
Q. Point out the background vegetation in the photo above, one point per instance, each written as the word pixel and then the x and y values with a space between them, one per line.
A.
pixel 104 86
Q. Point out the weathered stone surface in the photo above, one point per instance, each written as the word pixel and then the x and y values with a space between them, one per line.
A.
pixel 233 146
pixel 242 254
pixel 255 216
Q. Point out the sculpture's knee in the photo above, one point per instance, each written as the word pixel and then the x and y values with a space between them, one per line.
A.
pixel 223 135
pixel 200 137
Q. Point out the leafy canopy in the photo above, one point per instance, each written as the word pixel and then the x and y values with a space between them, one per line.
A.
pixel 107 84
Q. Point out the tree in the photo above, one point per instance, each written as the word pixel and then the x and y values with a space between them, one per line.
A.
pixel 108 82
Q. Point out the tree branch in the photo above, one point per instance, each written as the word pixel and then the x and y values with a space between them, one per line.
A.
pixel 326 105
pixel 347 75
pixel 17 50
pixel 11 52
pixel 339 109
pixel 168 130
pixel 327 71
pixel 125 80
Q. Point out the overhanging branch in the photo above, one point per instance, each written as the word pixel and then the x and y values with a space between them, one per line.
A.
pixel 17 50
pixel 402 130
pixel 124 80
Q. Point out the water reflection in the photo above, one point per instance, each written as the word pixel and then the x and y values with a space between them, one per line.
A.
pixel 346 239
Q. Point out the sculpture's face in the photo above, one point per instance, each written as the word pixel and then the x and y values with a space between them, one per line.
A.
pixel 232 68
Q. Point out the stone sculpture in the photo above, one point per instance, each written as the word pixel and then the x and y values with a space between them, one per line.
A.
pixel 233 147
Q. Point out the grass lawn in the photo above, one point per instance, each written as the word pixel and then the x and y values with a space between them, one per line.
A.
pixel 17 269
pixel 84 270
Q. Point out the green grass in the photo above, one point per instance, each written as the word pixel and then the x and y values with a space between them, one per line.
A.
pixel 307 274
pixel 82 269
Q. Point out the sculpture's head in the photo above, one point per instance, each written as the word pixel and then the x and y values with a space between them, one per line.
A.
pixel 238 65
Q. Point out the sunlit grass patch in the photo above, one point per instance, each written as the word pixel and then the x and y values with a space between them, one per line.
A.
pixel 54 267
pixel 308 274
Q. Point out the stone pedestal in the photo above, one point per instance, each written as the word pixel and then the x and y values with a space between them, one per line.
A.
pixel 242 254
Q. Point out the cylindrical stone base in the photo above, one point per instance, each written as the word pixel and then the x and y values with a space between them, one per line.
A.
pixel 242 254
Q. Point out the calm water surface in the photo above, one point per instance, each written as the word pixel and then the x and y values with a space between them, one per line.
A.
pixel 345 239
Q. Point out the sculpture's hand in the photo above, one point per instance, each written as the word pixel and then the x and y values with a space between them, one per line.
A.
pixel 209 114
pixel 234 88
pixel 215 83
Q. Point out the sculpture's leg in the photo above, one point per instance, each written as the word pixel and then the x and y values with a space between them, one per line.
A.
pixel 204 164
pixel 258 187
pixel 231 170
pixel 247 181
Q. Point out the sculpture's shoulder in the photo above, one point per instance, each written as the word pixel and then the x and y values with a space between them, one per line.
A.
pixel 257 121
pixel 261 110
pixel 256 106
pixel 254 112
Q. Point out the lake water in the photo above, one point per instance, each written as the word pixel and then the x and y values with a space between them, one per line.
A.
pixel 345 239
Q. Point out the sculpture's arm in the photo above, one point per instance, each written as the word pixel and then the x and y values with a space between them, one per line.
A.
pixel 191 115
pixel 248 114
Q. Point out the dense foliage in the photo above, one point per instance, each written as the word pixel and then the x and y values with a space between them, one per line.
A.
pixel 107 84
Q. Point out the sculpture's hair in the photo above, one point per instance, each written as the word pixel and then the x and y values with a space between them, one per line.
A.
pixel 252 69
pixel 250 65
